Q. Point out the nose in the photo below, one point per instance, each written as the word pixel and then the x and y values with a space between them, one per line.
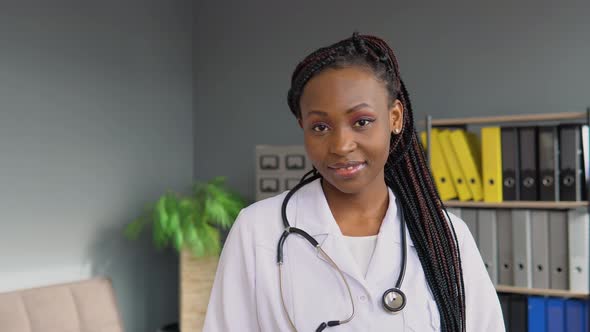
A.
pixel 342 142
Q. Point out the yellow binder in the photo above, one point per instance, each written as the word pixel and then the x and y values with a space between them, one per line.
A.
pixel 467 161
pixel 438 165
pixel 454 167
pixel 491 147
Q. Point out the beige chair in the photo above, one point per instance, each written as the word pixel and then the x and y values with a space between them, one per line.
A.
pixel 84 306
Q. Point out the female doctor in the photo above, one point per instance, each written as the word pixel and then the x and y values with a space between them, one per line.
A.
pixel 364 242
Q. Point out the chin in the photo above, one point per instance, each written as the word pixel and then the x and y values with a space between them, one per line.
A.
pixel 347 186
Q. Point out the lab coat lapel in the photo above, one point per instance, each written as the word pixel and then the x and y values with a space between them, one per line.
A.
pixel 386 261
pixel 315 217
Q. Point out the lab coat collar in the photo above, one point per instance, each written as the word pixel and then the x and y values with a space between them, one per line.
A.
pixel 315 217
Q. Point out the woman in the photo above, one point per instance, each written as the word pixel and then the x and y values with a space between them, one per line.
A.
pixel 373 248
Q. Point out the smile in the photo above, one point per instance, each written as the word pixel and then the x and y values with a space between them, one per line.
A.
pixel 348 171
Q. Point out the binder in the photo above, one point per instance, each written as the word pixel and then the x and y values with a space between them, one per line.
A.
pixel 579 250
pixel 488 240
pixel 540 248
pixel 586 159
pixel 454 210
pixel 491 156
pixel 571 158
pixel 576 315
pixel 467 161
pixel 518 313
pixel 438 166
pixel 521 244
pixel 505 306
pixel 558 250
pixel 474 144
pixel 453 165
pixel 510 164
pixel 505 252
pixel 469 216
pixel 548 163
pixel 529 176
pixel 536 314
pixel 556 315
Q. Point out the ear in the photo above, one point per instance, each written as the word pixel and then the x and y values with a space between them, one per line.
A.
pixel 396 117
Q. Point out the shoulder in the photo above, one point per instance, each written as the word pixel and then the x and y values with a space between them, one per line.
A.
pixel 258 211
pixel 261 219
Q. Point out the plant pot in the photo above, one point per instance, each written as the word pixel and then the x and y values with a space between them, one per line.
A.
pixel 196 280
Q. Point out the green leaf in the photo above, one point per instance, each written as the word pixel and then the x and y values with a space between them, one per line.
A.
pixel 178 240
pixel 187 221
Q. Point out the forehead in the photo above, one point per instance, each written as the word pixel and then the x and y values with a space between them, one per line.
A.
pixel 341 88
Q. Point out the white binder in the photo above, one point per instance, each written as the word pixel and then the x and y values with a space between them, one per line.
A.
pixel 488 241
pixel 505 252
pixel 521 244
pixel 540 248
pixel 579 250
pixel 469 216
pixel 558 250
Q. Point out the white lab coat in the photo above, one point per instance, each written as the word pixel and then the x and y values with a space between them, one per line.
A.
pixel 245 294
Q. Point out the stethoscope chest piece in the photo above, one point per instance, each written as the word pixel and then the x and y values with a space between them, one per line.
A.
pixel 394 300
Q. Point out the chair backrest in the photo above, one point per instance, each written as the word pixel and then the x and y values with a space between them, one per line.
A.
pixel 83 306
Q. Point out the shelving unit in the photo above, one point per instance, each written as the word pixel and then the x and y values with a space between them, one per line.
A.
pixel 517 120
pixel 519 205
pixel 541 292
pixel 523 118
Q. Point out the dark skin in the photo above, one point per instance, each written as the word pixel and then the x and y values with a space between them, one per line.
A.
pixel 347 122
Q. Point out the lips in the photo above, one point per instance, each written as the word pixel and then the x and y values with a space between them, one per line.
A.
pixel 348 169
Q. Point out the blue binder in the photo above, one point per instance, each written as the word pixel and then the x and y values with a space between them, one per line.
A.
pixel 576 315
pixel 536 314
pixel 555 315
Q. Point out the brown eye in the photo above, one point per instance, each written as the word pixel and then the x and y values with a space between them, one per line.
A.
pixel 363 122
pixel 320 128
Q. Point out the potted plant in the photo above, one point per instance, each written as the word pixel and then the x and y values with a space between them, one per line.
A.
pixel 191 224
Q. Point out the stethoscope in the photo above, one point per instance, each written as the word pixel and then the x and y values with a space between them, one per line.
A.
pixel 393 299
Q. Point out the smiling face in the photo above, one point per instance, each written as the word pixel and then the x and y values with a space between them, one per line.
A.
pixel 347 122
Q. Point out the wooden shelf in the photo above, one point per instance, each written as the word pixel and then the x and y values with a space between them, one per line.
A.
pixel 541 292
pixel 511 118
pixel 519 205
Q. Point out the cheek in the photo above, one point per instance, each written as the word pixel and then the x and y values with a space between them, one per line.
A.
pixel 312 149
pixel 381 150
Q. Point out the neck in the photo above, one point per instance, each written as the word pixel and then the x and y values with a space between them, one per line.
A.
pixel 358 214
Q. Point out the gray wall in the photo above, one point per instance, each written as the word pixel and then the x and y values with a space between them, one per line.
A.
pixel 457 59
pixel 95 121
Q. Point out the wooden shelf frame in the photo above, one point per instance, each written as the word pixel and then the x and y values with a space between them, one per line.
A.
pixel 543 205
pixel 567 116
pixel 541 292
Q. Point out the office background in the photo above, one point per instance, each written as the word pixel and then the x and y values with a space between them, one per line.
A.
pixel 106 104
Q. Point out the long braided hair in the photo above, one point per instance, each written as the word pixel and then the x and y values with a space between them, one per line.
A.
pixel 406 171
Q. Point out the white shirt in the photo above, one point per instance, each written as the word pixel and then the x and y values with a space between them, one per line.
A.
pixel 361 248
pixel 245 294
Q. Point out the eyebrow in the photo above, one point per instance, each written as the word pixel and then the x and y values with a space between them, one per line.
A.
pixel 350 110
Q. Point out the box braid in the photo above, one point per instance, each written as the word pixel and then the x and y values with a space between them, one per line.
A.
pixel 406 171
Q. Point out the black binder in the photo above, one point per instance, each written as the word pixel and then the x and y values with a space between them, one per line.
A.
pixel 518 313
pixel 571 173
pixel 505 304
pixel 548 163
pixel 510 167
pixel 529 176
